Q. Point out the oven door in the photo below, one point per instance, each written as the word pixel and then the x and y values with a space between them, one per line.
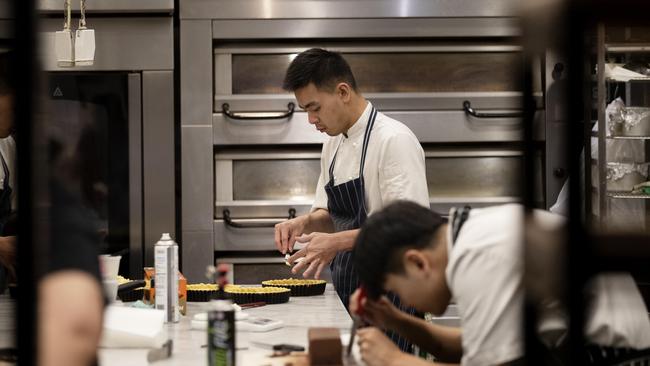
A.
pixel 477 176
pixel 443 91
pixel 256 189
pixel 97 117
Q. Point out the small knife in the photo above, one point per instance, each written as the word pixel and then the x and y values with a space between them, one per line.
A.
pixel 357 319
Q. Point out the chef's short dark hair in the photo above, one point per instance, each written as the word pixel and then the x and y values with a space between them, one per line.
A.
pixel 386 235
pixel 5 73
pixel 323 68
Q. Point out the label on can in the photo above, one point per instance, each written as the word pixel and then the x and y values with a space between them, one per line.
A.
pixel 221 338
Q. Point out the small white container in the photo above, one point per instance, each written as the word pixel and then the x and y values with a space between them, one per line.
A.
pixel 109 266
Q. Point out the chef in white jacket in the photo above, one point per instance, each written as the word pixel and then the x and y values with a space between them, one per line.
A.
pixel 368 161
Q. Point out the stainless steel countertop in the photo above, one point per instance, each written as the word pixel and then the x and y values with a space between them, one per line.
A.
pixel 298 315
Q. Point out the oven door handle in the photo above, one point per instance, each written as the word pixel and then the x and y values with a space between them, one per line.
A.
pixel 248 225
pixel 467 106
pixel 253 116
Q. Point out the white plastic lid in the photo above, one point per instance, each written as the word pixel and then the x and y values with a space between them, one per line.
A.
pixel 166 239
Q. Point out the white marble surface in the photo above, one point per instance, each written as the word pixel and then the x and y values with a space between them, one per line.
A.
pixel 298 315
pixel 7 321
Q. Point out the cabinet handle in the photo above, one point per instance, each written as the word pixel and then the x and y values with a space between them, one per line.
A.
pixel 467 106
pixel 252 116
pixel 248 225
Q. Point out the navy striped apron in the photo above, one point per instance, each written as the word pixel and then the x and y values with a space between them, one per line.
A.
pixel 346 203
pixel 5 211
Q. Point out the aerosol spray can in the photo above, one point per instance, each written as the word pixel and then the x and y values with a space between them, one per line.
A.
pixel 221 324
pixel 166 264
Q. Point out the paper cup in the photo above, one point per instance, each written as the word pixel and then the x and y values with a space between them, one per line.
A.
pixel 109 266
pixel 110 289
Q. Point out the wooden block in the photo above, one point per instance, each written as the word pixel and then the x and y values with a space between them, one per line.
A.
pixel 325 346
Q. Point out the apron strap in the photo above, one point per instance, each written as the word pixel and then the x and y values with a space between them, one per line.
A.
pixel 457 221
pixel 366 137
pixel 5 169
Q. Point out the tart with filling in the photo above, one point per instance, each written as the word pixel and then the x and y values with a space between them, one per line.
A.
pixel 299 287
pixel 269 295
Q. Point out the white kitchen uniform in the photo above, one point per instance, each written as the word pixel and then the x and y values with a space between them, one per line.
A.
pixel 394 167
pixel 8 151
pixel 485 273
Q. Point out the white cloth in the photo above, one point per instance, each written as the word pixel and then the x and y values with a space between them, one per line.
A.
pixel 8 151
pixel 394 166
pixel 485 274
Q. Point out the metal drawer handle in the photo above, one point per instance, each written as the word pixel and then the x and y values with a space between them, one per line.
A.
pixel 469 110
pixel 251 116
pixel 247 225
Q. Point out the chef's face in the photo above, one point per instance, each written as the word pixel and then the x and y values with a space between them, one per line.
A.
pixel 326 110
pixel 6 114
pixel 421 285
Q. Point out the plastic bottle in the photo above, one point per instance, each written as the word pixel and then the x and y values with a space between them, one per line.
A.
pixel 221 325
pixel 166 265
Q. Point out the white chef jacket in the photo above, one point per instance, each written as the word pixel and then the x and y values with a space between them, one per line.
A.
pixel 485 274
pixel 8 151
pixel 394 168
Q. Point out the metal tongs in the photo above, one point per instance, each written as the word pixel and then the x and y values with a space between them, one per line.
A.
pixel 357 318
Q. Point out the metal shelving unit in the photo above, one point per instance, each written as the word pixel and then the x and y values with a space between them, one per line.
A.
pixel 604 51
pixel 627 195
pixel 578 32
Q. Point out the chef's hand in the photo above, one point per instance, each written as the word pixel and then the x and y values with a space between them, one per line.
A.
pixel 376 349
pixel 286 233
pixel 379 313
pixel 8 255
pixel 320 250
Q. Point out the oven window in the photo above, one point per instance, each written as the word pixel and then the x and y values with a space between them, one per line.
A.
pixel 290 179
pixel 474 176
pixel 393 72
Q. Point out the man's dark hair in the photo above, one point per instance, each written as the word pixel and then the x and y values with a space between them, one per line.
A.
pixel 323 68
pixel 386 235
pixel 5 73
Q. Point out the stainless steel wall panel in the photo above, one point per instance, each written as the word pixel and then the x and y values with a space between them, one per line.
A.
pixel 110 6
pixel 6 10
pixel 271 9
pixel 223 184
pixel 158 158
pixel 557 170
pixel 197 253
pixel 428 126
pixel 121 44
pixel 196 72
pixel 222 74
pixel 6 29
pixel 197 177
pixel 135 174
pixel 364 28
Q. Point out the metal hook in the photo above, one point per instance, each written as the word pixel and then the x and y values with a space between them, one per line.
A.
pixel 82 20
pixel 67 14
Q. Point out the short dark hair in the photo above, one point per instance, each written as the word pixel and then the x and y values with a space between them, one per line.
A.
pixel 323 68
pixel 386 235
pixel 5 73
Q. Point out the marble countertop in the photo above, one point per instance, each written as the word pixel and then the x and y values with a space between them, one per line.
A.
pixel 7 321
pixel 298 315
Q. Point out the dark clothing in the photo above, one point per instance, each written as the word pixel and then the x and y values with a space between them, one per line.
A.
pixel 75 237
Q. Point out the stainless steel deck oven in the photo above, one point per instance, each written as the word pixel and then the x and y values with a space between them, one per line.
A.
pixel 451 72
